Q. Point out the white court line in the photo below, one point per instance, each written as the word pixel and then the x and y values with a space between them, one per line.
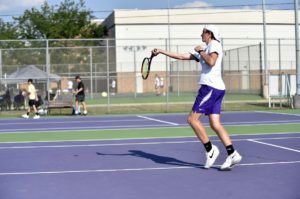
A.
pixel 157 120
pixel 275 113
pixel 126 144
pixel 71 122
pixel 135 169
pixel 95 145
pixel 50 129
pixel 274 145
pixel 150 138
pixel 277 138
pixel 123 128
pixel 266 122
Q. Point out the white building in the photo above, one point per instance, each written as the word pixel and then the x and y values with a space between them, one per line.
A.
pixel 137 32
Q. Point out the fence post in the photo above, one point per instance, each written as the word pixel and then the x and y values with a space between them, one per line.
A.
pixel 178 92
pixel 107 75
pixel 261 70
pixel 96 78
pixel 167 77
pixel 279 59
pixel 135 71
pixel 91 72
pixel 238 59
pixel 249 69
pixel 0 63
pixel 48 68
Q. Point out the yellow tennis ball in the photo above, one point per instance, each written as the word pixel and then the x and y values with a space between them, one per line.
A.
pixel 104 94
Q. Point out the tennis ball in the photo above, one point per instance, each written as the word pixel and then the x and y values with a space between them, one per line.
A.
pixel 104 94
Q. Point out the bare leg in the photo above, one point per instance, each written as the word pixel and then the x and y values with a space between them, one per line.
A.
pixel 233 156
pixel 84 106
pixel 199 129
pixel 216 125
pixel 34 109
pixel 76 106
pixel 29 109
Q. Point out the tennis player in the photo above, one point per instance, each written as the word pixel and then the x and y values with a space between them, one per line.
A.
pixel 32 100
pixel 210 96
pixel 80 96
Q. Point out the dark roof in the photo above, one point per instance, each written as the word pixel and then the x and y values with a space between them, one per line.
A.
pixel 29 72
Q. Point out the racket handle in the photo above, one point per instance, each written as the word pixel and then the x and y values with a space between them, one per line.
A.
pixel 152 53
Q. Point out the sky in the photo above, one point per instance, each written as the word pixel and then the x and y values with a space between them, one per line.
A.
pixel 102 8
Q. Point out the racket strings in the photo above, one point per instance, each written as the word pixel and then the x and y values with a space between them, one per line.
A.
pixel 145 68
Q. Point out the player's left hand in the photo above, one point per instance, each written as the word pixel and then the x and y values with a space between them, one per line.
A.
pixel 199 48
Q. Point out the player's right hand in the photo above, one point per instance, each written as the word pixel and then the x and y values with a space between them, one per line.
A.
pixel 155 51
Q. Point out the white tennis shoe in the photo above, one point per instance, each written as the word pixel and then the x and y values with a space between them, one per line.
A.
pixel 25 116
pixel 211 156
pixel 231 160
pixel 36 117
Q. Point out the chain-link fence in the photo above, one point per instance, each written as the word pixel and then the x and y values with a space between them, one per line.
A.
pixel 112 67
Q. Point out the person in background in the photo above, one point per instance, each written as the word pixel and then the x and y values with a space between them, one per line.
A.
pixel 80 96
pixel 161 85
pixel 113 87
pixel 70 86
pixel 32 99
pixel 157 84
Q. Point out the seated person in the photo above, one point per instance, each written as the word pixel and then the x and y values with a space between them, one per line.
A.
pixel 6 101
pixel 39 102
pixel 19 100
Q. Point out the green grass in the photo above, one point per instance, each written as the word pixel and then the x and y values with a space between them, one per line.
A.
pixel 150 103
pixel 140 133
pixel 173 97
pixel 288 111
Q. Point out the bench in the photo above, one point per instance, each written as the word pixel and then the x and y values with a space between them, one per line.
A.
pixel 281 99
pixel 61 101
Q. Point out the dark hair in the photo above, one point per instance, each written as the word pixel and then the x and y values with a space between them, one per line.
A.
pixel 30 80
pixel 211 33
pixel 213 36
pixel 77 77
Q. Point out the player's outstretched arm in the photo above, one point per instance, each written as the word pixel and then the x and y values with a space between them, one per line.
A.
pixel 180 56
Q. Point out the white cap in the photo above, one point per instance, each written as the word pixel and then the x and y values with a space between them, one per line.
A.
pixel 214 30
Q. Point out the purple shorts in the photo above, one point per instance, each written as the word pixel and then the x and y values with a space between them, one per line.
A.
pixel 208 100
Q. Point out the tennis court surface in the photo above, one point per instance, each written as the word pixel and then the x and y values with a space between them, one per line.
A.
pixel 167 164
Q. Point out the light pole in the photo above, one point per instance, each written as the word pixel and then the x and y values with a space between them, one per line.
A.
pixel 168 58
pixel 266 82
pixel 297 96
pixel 169 31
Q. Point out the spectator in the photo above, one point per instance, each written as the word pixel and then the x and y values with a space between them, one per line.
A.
pixel 80 96
pixel 157 84
pixel 161 85
pixel 32 96
pixel 113 87
pixel 19 100
pixel 70 86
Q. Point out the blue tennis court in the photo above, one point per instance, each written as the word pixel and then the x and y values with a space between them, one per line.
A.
pixel 47 124
pixel 148 167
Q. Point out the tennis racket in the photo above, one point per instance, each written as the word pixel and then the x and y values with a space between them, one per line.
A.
pixel 146 64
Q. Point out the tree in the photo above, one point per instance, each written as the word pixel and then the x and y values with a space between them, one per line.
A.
pixel 7 31
pixel 68 20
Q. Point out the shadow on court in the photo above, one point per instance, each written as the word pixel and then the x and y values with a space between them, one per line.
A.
pixel 157 158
